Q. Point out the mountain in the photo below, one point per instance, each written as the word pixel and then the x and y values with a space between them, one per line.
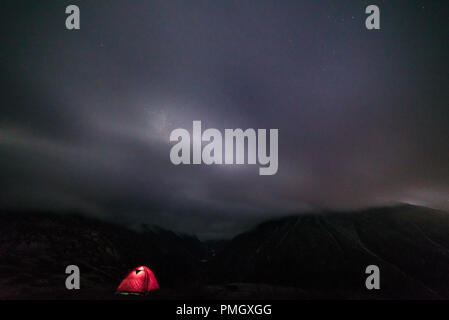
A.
pixel 36 247
pixel 311 256
pixel 326 254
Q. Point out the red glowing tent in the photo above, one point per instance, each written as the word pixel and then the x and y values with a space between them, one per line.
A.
pixel 140 280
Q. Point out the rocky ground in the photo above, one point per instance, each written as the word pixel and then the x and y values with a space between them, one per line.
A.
pixel 308 256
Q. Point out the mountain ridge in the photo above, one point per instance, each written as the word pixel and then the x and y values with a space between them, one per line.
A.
pixel 319 255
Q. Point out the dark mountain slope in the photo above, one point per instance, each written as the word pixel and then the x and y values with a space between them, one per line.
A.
pixel 326 254
pixel 35 249
pixel 304 256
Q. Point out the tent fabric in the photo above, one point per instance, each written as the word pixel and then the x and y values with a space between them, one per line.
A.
pixel 139 280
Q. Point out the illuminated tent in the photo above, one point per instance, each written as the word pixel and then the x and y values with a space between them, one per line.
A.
pixel 140 280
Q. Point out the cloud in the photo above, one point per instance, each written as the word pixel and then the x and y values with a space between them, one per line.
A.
pixel 86 116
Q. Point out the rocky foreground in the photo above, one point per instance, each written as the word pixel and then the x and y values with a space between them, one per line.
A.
pixel 307 256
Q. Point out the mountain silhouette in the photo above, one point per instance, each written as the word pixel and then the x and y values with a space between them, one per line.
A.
pixel 326 254
pixel 316 255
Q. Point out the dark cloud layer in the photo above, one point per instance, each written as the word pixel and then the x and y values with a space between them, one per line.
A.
pixel 86 115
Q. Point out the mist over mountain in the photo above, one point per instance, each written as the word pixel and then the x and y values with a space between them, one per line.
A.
pixel 86 115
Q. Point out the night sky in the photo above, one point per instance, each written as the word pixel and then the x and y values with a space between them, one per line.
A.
pixel 363 116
